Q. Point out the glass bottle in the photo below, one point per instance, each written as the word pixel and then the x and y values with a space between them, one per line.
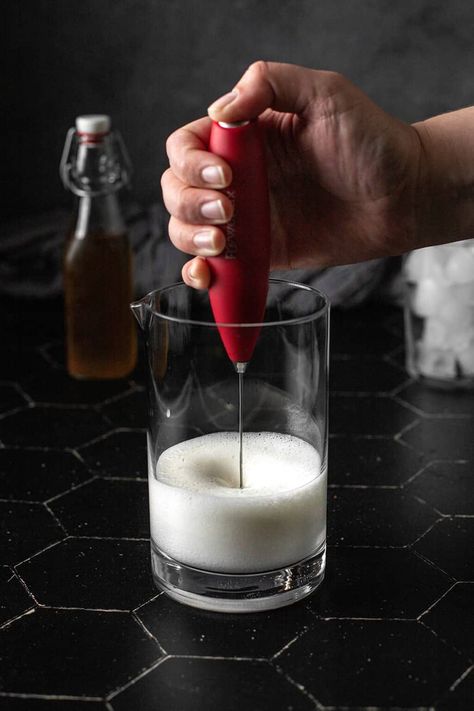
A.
pixel 98 283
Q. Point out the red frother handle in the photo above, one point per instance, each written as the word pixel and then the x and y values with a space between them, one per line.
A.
pixel 239 277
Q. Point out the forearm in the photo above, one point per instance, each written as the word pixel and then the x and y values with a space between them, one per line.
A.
pixel 446 177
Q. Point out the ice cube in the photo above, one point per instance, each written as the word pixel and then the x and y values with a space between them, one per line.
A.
pixel 458 316
pixel 466 243
pixel 428 297
pixel 422 264
pixel 466 358
pixel 435 333
pixel 460 340
pixel 436 362
pixel 460 266
pixel 464 293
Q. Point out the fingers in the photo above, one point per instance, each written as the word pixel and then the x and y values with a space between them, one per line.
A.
pixel 282 87
pixel 196 273
pixel 191 162
pixel 203 240
pixel 194 205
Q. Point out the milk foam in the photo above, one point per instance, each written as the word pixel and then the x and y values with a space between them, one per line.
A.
pixel 200 517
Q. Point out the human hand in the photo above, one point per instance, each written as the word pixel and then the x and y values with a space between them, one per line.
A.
pixel 342 173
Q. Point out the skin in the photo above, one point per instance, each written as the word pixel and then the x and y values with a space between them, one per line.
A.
pixel 348 182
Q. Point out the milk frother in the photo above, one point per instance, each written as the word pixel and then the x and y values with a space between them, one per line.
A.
pixel 239 276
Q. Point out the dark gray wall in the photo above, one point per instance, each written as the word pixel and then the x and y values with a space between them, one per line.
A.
pixel 155 64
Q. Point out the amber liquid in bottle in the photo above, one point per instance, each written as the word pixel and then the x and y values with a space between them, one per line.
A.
pixel 101 334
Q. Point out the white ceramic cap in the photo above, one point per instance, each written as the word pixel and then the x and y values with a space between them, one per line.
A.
pixel 94 123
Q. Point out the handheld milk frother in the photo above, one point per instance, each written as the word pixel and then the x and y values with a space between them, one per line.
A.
pixel 239 277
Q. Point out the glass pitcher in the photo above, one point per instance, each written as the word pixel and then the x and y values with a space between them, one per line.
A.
pixel 238 518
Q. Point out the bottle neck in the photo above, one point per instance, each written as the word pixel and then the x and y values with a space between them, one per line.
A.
pixel 100 214
pixel 94 168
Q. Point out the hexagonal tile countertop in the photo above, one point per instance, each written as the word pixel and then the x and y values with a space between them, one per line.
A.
pixel 81 624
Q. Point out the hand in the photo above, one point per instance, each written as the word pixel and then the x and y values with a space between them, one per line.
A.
pixel 342 173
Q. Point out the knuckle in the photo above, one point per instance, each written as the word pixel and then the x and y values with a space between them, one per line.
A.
pixel 336 80
pixel 165 179
pixel 171 143
pixel 259 68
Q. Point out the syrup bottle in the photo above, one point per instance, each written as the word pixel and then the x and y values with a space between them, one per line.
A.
pixel 98 286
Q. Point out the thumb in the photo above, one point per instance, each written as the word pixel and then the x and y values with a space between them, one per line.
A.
pixel 282 87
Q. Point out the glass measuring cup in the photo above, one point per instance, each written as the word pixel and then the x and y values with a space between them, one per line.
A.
pixel 217 545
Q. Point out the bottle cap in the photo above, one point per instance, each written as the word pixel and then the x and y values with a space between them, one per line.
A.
pixel 93 124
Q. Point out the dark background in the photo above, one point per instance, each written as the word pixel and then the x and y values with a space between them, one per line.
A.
pixel 156 64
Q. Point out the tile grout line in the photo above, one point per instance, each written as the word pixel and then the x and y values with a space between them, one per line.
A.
pixel 446 642
pixel 69 491
pixel 432 563
pixel 61 526
pixel 317 705
pixel 148 633
pixel 461 678
pixel 433 604
pixel 51 545
pixel 49 697
pixel 101 438
pixel 9 622
pixel 110 696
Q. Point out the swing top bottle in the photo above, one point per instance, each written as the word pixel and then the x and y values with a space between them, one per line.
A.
pixel 97 268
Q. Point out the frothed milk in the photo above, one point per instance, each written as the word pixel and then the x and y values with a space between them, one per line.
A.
pixel 199 516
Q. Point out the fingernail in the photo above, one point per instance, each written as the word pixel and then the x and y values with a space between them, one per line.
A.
pixel 223 101
pixel 214 175
pixel 192 273
pixel 205 242
pixel 213 210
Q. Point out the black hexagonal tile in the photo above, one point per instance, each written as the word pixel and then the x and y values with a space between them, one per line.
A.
pixel 375 517
pixel 438 402
pixel 452 618
pixel 105 507
pixel 38 475
pixel 11 397
pixel 371 461
pixel 443 438
pixel 121 453
pixel 52 427
pixel 367 415
pixel 91 573
pixel 372 663
pixel 26 529
pixel 14 599
pixel 448 486
pixel 74 652
pixel 61 388
pixel 361 331
pixel 460 697
pixel 128 411
pixel 55 354
pixel 213 685
pixel 364 375
pixel 449 545
pixel 30 703
pixel 184 630
pixel 377 582
pixel 30 322
pixel 14 362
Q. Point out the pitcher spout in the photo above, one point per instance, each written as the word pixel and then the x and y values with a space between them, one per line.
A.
pixel 141 310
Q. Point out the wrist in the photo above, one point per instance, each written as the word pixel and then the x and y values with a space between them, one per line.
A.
pixel 446 177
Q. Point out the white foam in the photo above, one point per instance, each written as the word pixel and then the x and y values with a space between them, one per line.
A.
pixel 200 517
